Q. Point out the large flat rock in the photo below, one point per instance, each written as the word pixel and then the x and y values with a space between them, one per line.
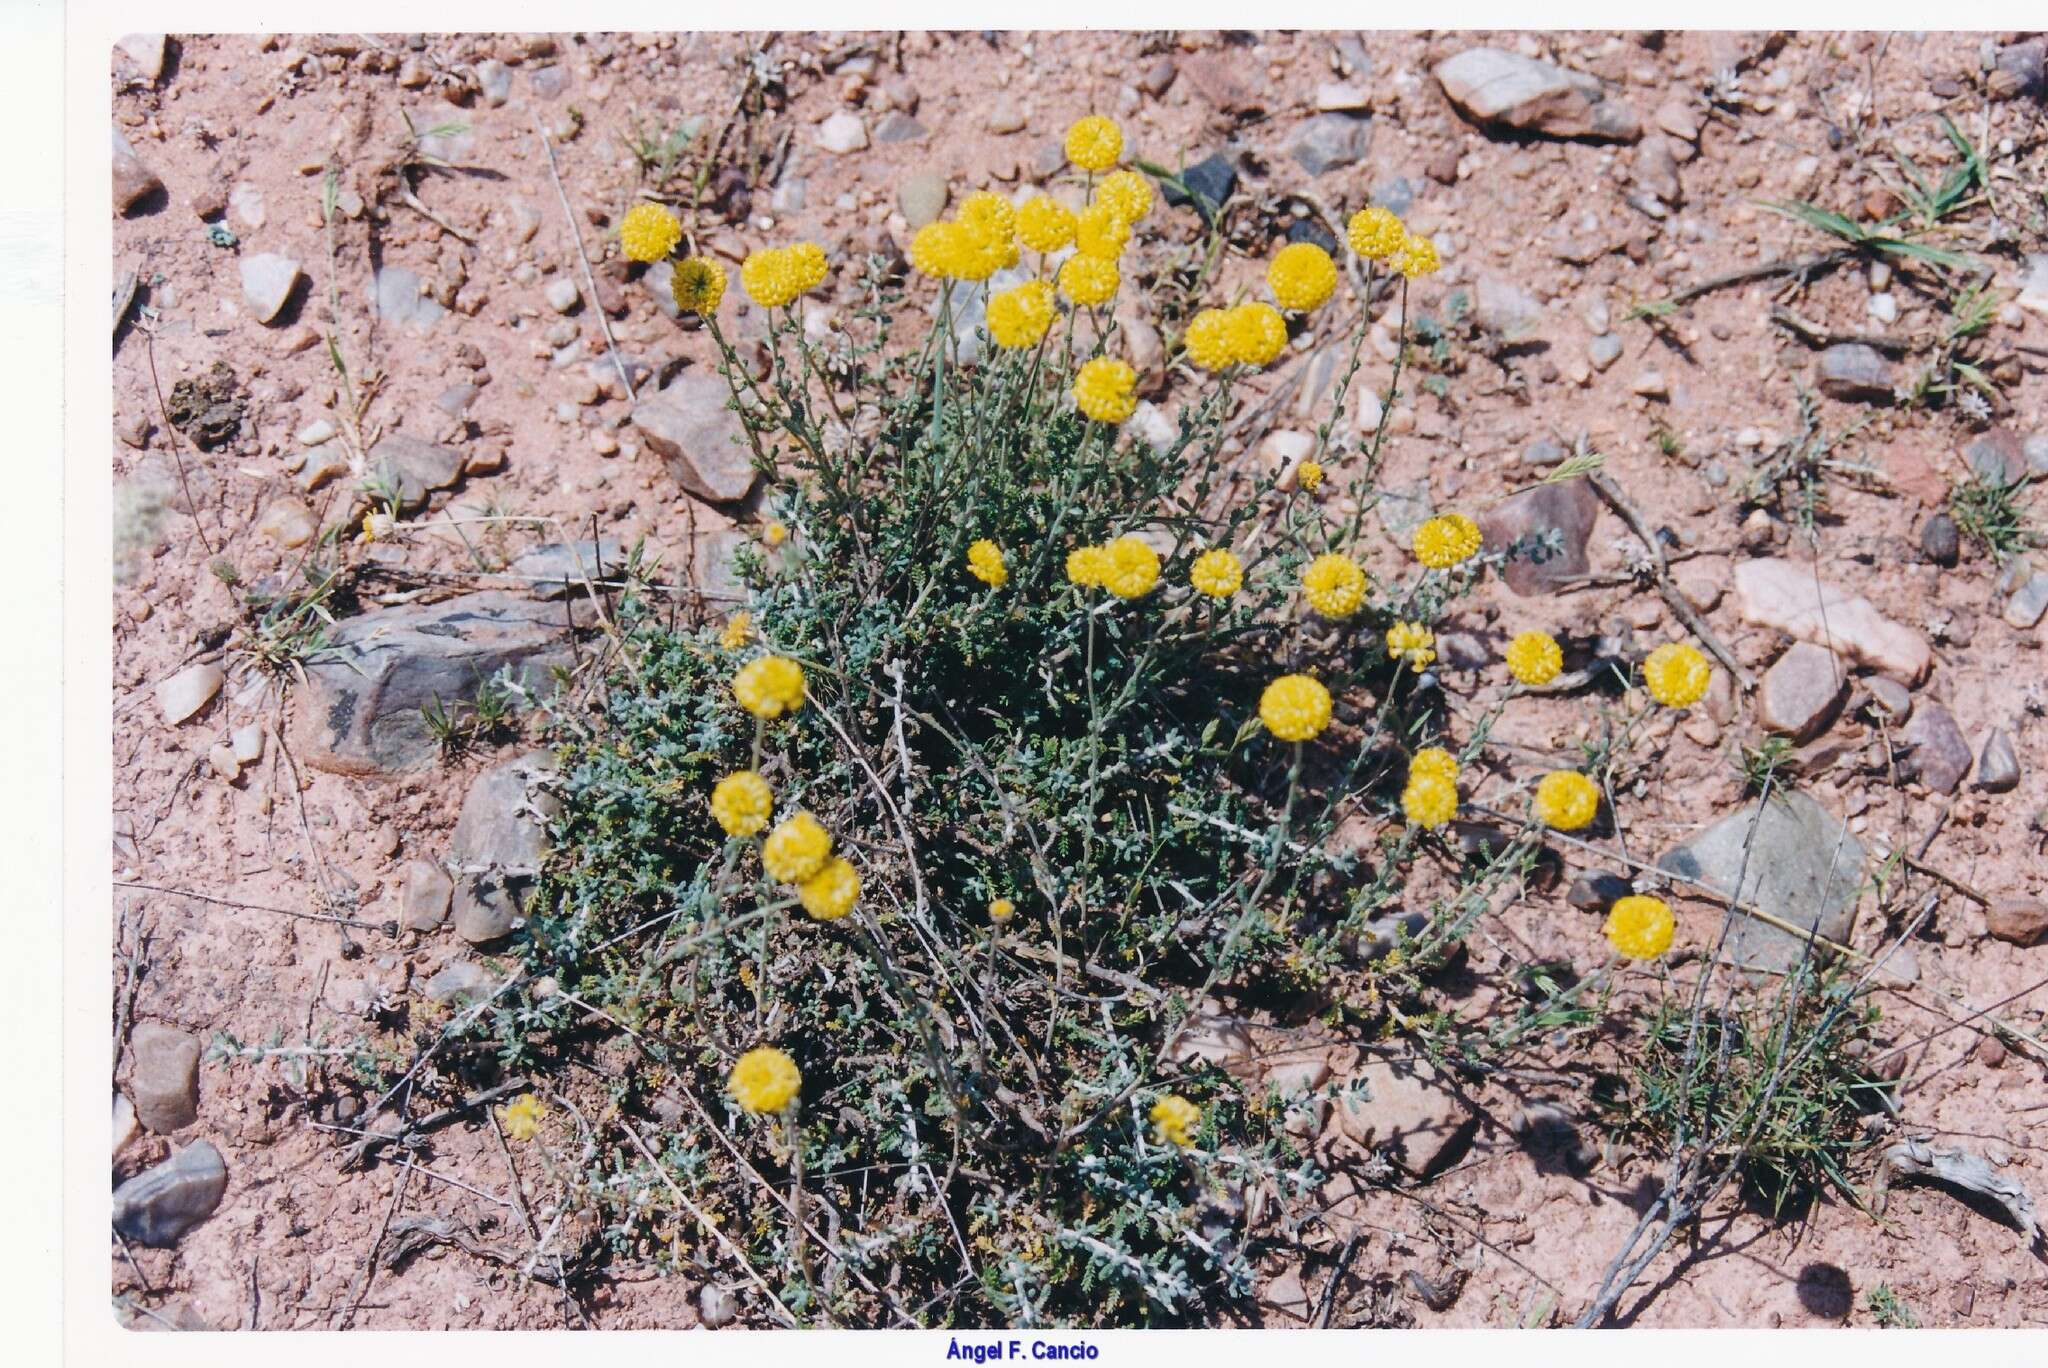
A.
pixel 1795 860
pixel 1796 601
pixel 698 436
pixel 1506 88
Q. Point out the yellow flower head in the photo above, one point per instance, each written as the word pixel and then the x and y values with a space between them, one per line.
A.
pixel 1001 910
pixel 649 232
pixel 1258 334
pixel 377 527
pixel 1302 276
pixel 1417 258
pixel 1094 143
pixel 738 628
pixel 796 849
pixel 985 563
pixel 830 893
pixel 1044 224
pixel 1412 642
pixel 1308 475
pixel 1126 192
pixel 1566 800
pixel 1088 566
pixel 1534 658
pixel 1295 707
pixel 1177 1119
pixel 770 686
pixel 697 285
pixel 764 1081
pixel 1101 232
pixel 1104 388
pixel 1208 340
pixel 1133 568
pixel 1677 675
pixel 1640 927
pixel 742 802
pixel 522 1117
pixel 775 532
pixel 1429 800
pixel 936 248
pixel 991 210
pixel 1434 760
pixel 1089 281
pixel 985 246
pixel 771 277
pixel 1376 233
pixel 1217 572
pixel 807 262
pixel 1335 585
pixel 1018 317
pixel 1444 541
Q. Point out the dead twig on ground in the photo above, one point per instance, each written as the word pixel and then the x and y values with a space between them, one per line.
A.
pixel 611 345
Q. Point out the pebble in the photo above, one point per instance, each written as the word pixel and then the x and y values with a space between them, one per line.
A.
pixel 246 202
pixel 1650 385
pixel 1800 694
pixel 1890 697
pixel 165 1079
pixel 843 133
pixel 2020 921
pixel 562 295
pixel 922 198
pixel 2029 602
pixel 316 432
pixel 1853 371
pixel 1596 891
pixel 1998 766
pixel 898 127
pixel 268 279
pixel 423 901
pixel 1940 756
pixel 247 743
pixel 133 182
pixel 186 692
pixel 1940 541
pixel 1329 142
pixel 158 1207
pixel 462 979
pixel 323 463
pixel 1884 307
pixel 287 522
pixel 717 1307
pixel 1603 351
pixel 1004 116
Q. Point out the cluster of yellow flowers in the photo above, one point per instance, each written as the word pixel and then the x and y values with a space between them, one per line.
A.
pixel 1334 584
pixel 1251 334
pixel 1106 389
pixel 1217 572
pixel 1445 541
pixel 972 245
pixel 1566 800
pixel 1019 316
pixel 770 686
pixel 649 232
pixel 1430 797
pixel 1302 276
pixel 1377 234
pixel 1413 643
pixel 764 1081
pixel 1177 1119
pixel 1125 566
pixel 1295 707
pixel 1677 675
pixel 1534 658
pixel 1308 475
pixel 985 563
pixel 1640 927
pixel 1001 910
pixel 798 851
pixel 774 276
pixel 522 1117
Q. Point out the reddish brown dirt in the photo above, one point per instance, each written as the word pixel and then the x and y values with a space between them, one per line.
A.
pixel 287 1247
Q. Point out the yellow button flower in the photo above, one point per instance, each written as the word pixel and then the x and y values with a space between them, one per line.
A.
pixel 985 563
pixel 770 277
pixel 1133 568
pixel 1429 800
pixel 1018 317
pixel 1411 642
pixel 742 802
pixel 1208 340
pixel 1434 760
pixel 1445 541
pixel 1566 800
pixel 522 1117
pixel 991 210
pixel 807 264
pixel 830 893
pixel 935 249
pixel 1640 927
pixel 1258 334
pixel 1677 675
pixel 1302 276
pixel 764 1081
pixel 1045 225
pixel 1417 257
pixel 1104 388
pixel 1376 233
pixel 1089 281
pixel 770 686
pixel 1335 585
pixel 775 532
pixel 1001 910
pixel 1101 232
pixel 1295 707
pixel 1308 475
pixel 983 248
pixel 1088 566
pixel 1177 1119
pixel 737 629
pixel 1094 143
pixel 796 849
pixel 1126 192
pixel 649 232
pixel 1534 658
pixel 1217 572
pixel 697 286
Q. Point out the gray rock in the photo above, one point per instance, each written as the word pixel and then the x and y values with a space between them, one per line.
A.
pixel 2019 69
pixel 494 79
pixel 558 569
pixel 1800 694
pixel 1401 511
pixel 1158 77
pixel 158 1207
pixel 1596 891
pixel 1997 456
pixel 1554 523
pixel 125 1128
pixel 1396 196
pixel 1328 142
pixel 1505 308
pixel 970 311
pixel 1214 1037
pixel 456 399
pixel 548 82
pixel 1855 372
pixel 1794 600
pixel 700 439
pixel 1552 1137
pixel 145 53
pixel 133 182
pixel 1004 116
pixel 499 843
pixel 1382 935
pixel 268 279
pixel 189 690
pixel 361 712
pixel 463 980
pixel 2035 449
pixel 1940 542
pixel 1544 452
pixel 1407 1112
pixel 842 133
pixel 659 282
pixel 2029 602
pixel 423 899
pixel 1998 766
pixel 1656 168
pixel 922 198
pixel 1939 756
pixel 1492 86
pixel 898 127
pixel 1211 180
pixel 395 296
pixel 717 1307
pixel 1891 698
pixel 165 1081
pixel 562 295
pixel 418 468
pixel 1801 864
pixel 1604 351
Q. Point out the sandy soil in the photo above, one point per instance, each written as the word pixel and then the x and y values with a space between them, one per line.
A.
pixel 234 122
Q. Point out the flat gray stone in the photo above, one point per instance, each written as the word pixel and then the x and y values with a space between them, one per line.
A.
pixel 898 127
pixel 1998 765
pixel 1506 309
pixel 145 53
pixel 1854 372
pixel 183 695
pixel 464 980
pixel 1553 522
pixel 558 569
pixel 499 843
pixel 1997 456
pixel 268 279
pixel 417 467
pixel 395 296
pixel 1793 599
pixel 842 133
pixel 423 900
pixel 718 575
pixel 1603 351
pixel 1408 1113
pixel 1801 693
pixel 922 198
pixel 165 1081
pixel 1939 756
pixel 361 709
pixel 699 438
pixel 1496 87
pixel 158 1207
pixel 1802 865
pixel 2029 602
pixel 1401 511
pixel 1329 142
